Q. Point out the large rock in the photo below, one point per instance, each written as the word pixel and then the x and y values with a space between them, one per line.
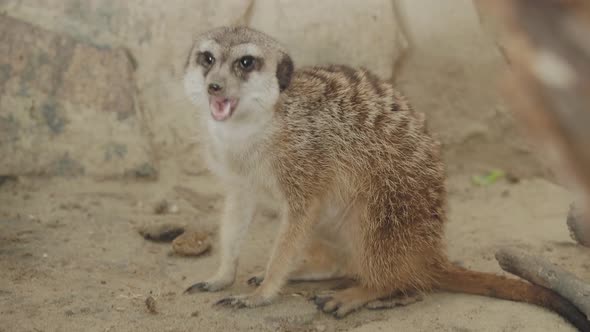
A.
pixel 334 31
pixel 66 107
pixel 159 35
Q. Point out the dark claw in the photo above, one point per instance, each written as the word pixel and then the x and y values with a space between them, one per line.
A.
pixel 255 281
pixel 333 311
pixel 225 301
pixel 198 287
pixel 337 315
pixel 321 301
pixel 231 302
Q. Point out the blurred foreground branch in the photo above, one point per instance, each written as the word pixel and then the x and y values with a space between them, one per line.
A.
pixel 549 87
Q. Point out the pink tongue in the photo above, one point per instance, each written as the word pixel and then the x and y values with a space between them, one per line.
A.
pixel 220 110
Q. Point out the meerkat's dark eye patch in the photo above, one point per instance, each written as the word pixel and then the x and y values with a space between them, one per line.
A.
pixel 205 59
pixel 247 63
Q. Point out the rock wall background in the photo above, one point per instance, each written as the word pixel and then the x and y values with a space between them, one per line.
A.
pixel 105 86
pixel 67 108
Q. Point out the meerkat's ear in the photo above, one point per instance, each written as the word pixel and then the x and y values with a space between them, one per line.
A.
pixel 284 71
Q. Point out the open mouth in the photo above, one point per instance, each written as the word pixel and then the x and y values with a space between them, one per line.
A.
pixel 222 108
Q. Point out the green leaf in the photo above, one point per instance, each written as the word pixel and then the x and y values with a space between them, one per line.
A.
pixel 489 178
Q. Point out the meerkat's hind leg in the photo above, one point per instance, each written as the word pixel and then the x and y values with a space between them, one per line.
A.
pixel 321 261
pixel 342 303
pixel 395 300
pixel 309 271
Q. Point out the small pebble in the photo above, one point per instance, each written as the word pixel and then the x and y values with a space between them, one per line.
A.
pixel 512 178
pixel 164 207
pixel 161 233
pixel 161 207
pixel 191 243
pixel 150 303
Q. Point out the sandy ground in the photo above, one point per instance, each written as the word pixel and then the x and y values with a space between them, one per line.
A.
pixel 72 260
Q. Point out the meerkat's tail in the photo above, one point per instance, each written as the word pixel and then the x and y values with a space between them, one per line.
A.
pixel 459 280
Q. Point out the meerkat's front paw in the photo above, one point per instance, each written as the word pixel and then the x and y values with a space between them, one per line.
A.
pixel 208 286
pixel 244 301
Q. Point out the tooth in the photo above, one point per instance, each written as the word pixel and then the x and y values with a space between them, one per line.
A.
pixel 226 106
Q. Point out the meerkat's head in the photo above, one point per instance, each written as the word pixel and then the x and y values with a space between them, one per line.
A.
pixel 236 73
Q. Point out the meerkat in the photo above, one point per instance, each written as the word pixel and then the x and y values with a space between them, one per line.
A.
pixel 359 181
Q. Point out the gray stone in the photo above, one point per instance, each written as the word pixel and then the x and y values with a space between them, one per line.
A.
pixel 158 35
pixel 66 107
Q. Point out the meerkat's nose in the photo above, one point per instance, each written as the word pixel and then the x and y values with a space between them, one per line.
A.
pixel 215 88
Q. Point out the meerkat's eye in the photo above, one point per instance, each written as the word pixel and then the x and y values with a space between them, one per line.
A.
pixel 247 62
pixel 206 58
